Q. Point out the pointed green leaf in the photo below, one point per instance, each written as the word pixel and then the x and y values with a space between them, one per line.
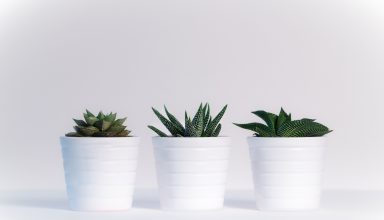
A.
pixel 282 118
pixel 207 116
pixel 260 129
pixel 190 130
pixel 111 117
pixel 89 113
pixel 119 121
pixel 217 131
pixel 174 120
pixel 268 118
pixel 157 131
pixel 103 125
pixel 212 125
pixel 101 115
pixel 80 122
pixel 198 121
pixel 91 120
pixel 168 124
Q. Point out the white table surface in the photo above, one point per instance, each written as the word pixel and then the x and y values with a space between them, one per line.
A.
pixel 239 205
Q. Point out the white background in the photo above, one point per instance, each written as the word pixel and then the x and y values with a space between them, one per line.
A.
pixel 319 59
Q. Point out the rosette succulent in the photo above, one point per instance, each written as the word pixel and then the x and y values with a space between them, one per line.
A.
pixel 99 126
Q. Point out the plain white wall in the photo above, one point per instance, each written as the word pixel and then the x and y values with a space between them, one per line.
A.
pixel 319 59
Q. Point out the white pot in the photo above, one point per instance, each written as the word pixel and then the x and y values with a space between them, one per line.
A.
pixel 191 171
pixel 100 172
pixel 287 172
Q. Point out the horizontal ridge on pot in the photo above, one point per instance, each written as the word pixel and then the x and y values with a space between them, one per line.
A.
pixel 191 172
pixel 100 172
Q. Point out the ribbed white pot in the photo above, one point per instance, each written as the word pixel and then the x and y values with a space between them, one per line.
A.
pixel 287 172
pixel 191 171
pixel 100 172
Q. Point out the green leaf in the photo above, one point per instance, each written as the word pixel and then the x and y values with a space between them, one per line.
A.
pixel 101 115
pixel 116 129
pixel 175 122
pixel 80 122
pixel 302 128
pixel 86 131
pixel 89 114
pixel 168 124
pixel 157 131
pixel 124 133
pixel 91 120
pixel 206 116
pixel 260 129
pixel 212 125
pixel 111 117
pixel 198 121
pixel 103 125
pixel 73 134
pixel 282 118
pixel 190 130
pixel 268 118
pixel 119 121
pixel 217 131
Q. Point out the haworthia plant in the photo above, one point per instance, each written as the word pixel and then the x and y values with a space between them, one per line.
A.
pixel 201 125
pixel 99 126
pixel 282 125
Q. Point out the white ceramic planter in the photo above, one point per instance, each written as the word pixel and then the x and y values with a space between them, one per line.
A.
pixel 287 172
pixel 191 171
pixel 100 172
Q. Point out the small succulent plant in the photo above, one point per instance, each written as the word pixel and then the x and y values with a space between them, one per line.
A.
pixel 283 126
pixel 99 126
pixel 201 125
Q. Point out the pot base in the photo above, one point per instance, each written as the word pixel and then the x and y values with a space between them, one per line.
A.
pixel 192 204
pixel 100 204
pixel 289 204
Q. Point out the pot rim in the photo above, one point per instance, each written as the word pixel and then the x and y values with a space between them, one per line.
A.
pixel 99 140
pixel 66 137
pixel 191 141
pixel 288 138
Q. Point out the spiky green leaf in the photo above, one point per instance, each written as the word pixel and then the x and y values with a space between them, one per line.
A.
pixel 174 120
pixel 157 131
pixel 198 121
pixel 212 125
pixel 167 123
pixel 206 115
pixel 216 132
pixel 190 130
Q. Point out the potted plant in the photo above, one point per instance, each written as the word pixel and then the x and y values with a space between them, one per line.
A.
pixel 100 161
pixel 287 158
pixel 192 161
